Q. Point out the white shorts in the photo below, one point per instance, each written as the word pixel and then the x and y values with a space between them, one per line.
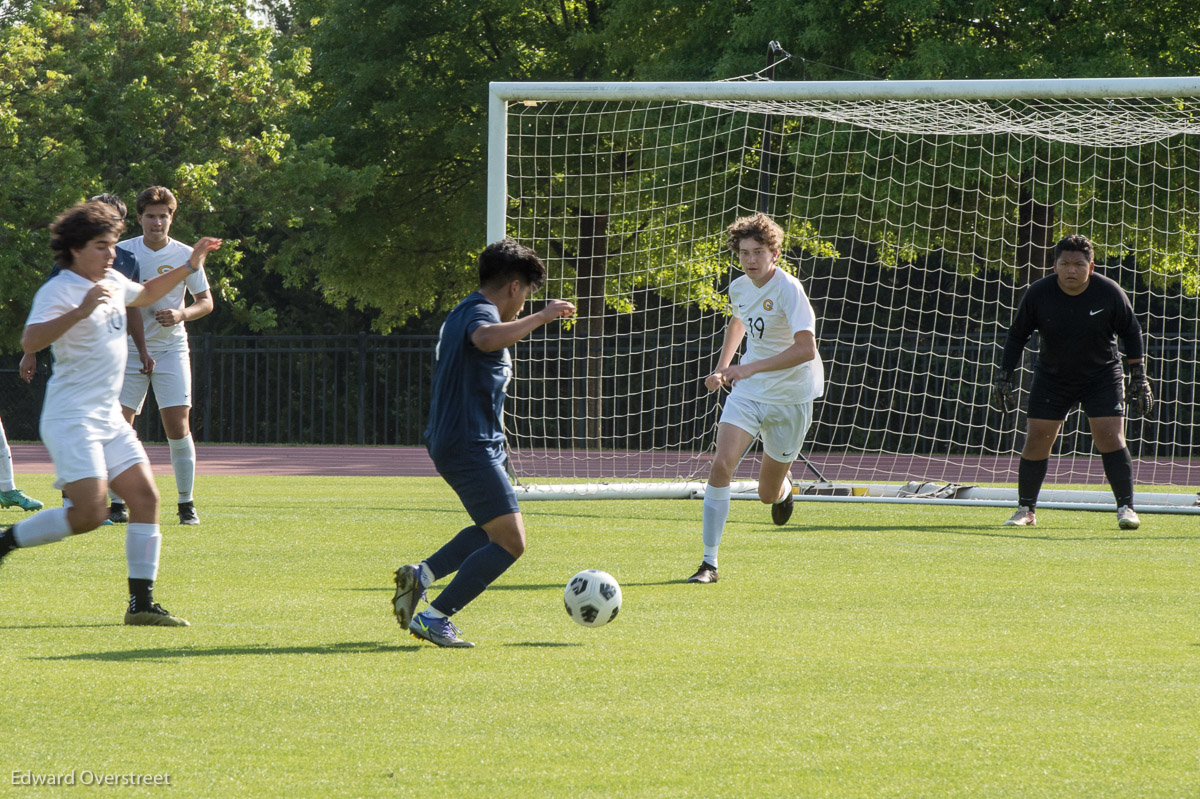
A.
pixel 83 448
pixel 171 378
pixel 782 428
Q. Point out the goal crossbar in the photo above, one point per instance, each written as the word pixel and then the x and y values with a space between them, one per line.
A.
pixel 703 91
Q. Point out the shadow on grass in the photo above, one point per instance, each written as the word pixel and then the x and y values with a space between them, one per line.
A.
pixel 166 653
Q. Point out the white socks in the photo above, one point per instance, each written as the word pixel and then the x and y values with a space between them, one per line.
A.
pixel 6 467
pixel 143 543
pixel 183 461
pixel 43 527
pixel 714 515
pixel 426 573
pixel 787 481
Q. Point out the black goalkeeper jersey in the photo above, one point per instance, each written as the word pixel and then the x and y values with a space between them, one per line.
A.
pixel 1078 333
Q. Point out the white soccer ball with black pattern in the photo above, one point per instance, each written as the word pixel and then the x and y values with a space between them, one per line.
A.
pixel 593 598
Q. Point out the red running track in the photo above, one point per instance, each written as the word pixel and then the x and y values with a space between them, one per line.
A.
pixel 220 459
pixel 227 459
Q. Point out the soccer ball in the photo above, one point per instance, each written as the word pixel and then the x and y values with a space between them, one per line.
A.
pixel 592 598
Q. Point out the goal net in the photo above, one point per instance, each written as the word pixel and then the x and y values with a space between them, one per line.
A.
pixel 916 214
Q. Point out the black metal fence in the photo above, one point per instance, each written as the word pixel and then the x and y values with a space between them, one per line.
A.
pixel 347 389
pixel 885 393
pixel 363 389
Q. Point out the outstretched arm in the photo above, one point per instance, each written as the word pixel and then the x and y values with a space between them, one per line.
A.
pixel 154 289
pixel 489 338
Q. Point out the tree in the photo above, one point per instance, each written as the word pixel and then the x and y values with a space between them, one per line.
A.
pixel 120 95
pixel 403 87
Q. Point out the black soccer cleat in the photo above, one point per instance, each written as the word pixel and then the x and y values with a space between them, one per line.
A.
pixel 187 513
pixel 153 615
pixel 7 542
pixel 707 573
pixel 118 513
pixel 782 511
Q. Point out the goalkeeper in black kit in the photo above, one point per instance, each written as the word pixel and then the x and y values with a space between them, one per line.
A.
pixel 1079 316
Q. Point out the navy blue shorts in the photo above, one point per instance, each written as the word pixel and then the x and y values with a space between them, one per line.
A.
pixel 485 492
pixel 1053 398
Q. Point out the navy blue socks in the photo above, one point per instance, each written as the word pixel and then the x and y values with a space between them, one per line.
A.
pixel 450 557
pixel 475 574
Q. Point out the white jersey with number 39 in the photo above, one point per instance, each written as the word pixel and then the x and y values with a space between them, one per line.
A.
pixel 773 315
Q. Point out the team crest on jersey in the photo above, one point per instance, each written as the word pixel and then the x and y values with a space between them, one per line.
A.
pixel 162 270
pixel 768 305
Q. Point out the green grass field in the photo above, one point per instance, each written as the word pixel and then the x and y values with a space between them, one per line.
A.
pixel 883 651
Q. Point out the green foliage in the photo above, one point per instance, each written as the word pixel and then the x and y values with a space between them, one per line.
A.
pixel 191 95
pixel 964 39
pixel 402 87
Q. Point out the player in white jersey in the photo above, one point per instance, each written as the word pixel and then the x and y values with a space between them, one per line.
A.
pixel 772 386
pixel 162 359
pixel 80 314
pixel 126 265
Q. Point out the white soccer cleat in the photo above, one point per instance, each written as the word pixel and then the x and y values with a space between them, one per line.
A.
pixel 1127 518
pixel 1022 518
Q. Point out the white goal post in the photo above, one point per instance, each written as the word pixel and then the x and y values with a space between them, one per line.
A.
pixel 916 213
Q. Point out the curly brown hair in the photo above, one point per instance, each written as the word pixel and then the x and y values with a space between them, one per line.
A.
pixel 759 227
pixel 78 225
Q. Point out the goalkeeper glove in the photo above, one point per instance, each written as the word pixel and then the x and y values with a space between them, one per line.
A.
pixel 1137 391
pixel 1004 392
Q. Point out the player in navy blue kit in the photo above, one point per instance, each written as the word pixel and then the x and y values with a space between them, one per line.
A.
pixel 465 438
pixel 1079 316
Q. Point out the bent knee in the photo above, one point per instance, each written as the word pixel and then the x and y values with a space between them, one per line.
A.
pixel 86 519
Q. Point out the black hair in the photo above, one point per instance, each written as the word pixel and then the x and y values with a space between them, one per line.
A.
pixel 1075 243
pixel 113 200
pixel 506 260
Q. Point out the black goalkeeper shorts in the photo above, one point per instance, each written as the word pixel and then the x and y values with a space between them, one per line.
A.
pixel 1052 397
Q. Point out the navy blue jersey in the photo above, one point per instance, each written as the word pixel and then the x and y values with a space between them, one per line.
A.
pixel 1078 333
pixel 125 263
pixel 466 429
